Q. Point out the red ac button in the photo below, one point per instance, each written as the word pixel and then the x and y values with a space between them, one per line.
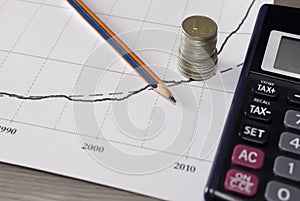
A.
pixel 248 157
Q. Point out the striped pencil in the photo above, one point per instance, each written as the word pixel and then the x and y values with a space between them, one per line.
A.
pixel 137 64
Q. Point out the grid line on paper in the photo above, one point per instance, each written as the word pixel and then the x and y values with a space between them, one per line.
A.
pixel 221 11
pixel 104 69
pixel 125 67
pixel 157 23
pixel 43 65
pixel 80 97
pixel 110 11
pixel 164 75
pixel 196 120
pixel 129 18
pixel 64 61
pixel 82 68
pixel 100 139
pixel 45 4
pixel 21 34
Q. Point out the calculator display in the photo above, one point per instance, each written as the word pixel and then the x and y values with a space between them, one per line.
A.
pixel 288 55
pixel 282 54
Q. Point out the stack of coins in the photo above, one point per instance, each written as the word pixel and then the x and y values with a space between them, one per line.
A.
pixel 198 54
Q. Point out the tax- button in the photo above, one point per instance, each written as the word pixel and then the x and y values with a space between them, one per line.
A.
pixel 260 109
pixel 254 133
pixel 241 182
pixel 248 157
pixel 277 191
pixel 292 119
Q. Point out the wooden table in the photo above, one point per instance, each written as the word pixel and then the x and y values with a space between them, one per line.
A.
pixel 21 184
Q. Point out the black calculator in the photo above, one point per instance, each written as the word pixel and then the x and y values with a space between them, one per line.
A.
pixel 259 153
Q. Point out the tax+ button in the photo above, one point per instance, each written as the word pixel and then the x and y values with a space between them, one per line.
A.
pixel 266 88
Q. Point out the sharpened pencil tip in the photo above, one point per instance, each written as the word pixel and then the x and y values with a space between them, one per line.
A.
pixel 163 90
pixel 172 99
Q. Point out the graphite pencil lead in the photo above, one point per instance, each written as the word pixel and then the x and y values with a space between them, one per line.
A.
pixel 172 99
pixel 163 90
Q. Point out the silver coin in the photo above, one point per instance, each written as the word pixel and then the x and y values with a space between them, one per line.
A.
pixel 200 27
pixel 198 56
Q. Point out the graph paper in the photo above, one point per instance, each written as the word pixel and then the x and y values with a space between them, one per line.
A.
pixel 71 106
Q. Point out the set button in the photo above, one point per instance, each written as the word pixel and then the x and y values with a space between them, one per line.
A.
pixel 247 157
pixel 254 133
pixel 241 182
pixel 265 88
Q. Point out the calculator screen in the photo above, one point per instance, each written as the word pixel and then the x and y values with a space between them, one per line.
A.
pixel 287 58
pixel 282 54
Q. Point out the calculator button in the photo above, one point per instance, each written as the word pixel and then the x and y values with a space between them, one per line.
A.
pixel 252 133
pixel 248 157
pixel 241 183
pixel 277 191
pixel 266 88
pixel 290 142
pixel 259 111
pixel 287 168
pixel 294 98
pixel 292 119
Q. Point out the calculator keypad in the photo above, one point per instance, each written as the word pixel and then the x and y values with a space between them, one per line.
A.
pixel 256 131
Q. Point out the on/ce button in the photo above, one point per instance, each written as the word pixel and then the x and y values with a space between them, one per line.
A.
pixel 241 182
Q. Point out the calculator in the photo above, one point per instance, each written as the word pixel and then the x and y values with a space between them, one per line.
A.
pixel 258 157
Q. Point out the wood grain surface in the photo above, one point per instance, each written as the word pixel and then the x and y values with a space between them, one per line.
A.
pixel 21 184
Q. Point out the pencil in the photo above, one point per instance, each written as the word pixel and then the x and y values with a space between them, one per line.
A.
pixel 135 62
